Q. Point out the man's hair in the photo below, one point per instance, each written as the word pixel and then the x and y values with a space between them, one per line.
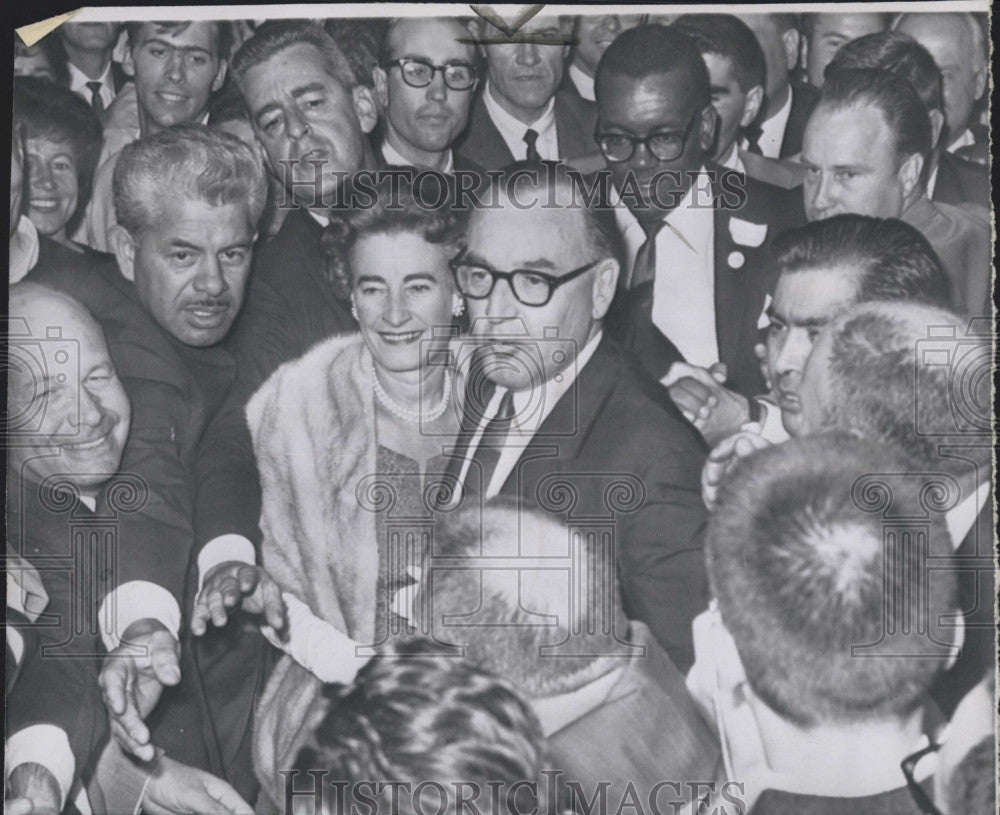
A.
pixel 548 182
pixel 978 23
pixel 891 260
pixel 275 36
pixel 729 37
pixel 414 716
pixel 651 49
pixel 897 53
pixel 972 788
pixel 224 36
pixel 53 50
pixel 807 22
pixel 360 40
pixel 509 636
pixel 886 388
pixel 398 206
pixel 52 112
pixel 188 161
pixel 893 96
pixel 797 561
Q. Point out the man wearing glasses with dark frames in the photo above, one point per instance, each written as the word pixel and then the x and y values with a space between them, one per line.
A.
pixel 695 281
pixel 555 407
pixel 425 84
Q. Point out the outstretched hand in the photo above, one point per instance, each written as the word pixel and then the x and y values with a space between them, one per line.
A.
pixel 232 585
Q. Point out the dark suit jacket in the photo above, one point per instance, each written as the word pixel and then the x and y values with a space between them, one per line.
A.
pixel 615 450
pixel 482 143
pixel 744 275
pixel 961 182
pixel 804 99
pixel 647 731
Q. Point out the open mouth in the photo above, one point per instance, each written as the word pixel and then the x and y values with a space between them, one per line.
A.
pixel 400 338
pixel 789 401
pixel 86 445
pixel 45 204
pixel 208 316
pixel 171 98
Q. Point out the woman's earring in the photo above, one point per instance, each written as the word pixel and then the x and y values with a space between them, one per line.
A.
pixel 354 310
pixel 457 305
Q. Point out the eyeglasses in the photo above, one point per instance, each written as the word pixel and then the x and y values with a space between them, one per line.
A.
pixel 419 73
pixel 665 146
pixel 920 797
pixel 530 287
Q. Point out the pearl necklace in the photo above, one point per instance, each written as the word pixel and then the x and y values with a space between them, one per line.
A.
pixel 409 415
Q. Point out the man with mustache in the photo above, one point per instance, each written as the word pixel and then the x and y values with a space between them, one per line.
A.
pixel 175 67
pixel 520 112
pixel 424 83
pixel 188 199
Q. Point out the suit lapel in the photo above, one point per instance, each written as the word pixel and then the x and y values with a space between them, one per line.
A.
pixel 484 142
pixel 728 302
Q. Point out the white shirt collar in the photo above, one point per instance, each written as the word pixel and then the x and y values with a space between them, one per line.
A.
pixel 584 84
pixel 322 220
pixel 512 130
pixel 931 182
pixel 78 79
pixel 23 249
pixel 733 160
pixel 773 129
pixel 687 215
pixel 967 139
pixel 396 159
pixel 962 518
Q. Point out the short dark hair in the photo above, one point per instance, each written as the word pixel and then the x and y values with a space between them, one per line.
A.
pixel 807 21
pixel 53 112
pixel 897 53
pixel 802 575
pixel 895 97
pixel 892 259
pixel 655 49
pixel 224 36
pixel 275 36
pixel 361 41
pixel 53 50
pixel 414 716
pixel 398 206
pixel 727 36
pixel 886 388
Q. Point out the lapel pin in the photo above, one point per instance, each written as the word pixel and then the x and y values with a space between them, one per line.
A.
pixel 736 260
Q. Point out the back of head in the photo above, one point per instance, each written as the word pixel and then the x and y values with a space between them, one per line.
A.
pixel 913 376
pixel 893 96
pixel 186 162
pixel 892 260
pixel 898 54
pixel 523 611
pixel 804 574
pixel 428 723
pixel 648 50
pixel 727 36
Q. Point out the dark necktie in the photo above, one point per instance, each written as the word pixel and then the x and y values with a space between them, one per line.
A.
pixel 753 140
pixel 644 268
pixel 530 138
pixel 487 453
pixel 95 97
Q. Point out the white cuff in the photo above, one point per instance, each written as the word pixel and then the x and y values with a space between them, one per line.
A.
pixel 137 600
pixel 223 548
pixel 317 646
pixel 43 744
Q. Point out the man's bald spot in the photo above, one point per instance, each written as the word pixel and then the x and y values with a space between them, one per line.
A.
pixel 398 28
pixel 36 301
pixel 935 21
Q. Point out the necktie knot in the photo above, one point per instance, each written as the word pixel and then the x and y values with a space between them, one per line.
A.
pixel 96 102
pixel 531 139
pixel 753 140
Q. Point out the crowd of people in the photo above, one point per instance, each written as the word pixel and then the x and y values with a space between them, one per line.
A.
pixel 415 415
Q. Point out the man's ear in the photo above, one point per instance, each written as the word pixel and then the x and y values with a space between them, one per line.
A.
pixel 982 77
pixel 706 131
pixel 791 40
pixel 751 107
pixel 365 108
pixel 220 75
pixel 381 81
pixel 605 285
pixel 909 173
pixel 128 63
pixel 937 125
pixel 123 247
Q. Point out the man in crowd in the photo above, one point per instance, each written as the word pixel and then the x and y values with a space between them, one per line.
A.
pixel 696 278
pixel 424 83
pixel 66 445
pixel 958 44
pixel 188 201
pixel 92 72
pixel 618 719
pixel 736 71
pixel 823 34
pixel 950 179
pixel 592 34
pixel 520 112
pixel 809 584
pixel 787 105
pixel 562 404
pixel 864 151
pixel 176 67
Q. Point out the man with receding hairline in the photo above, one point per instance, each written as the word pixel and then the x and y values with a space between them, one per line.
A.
pixel 823 33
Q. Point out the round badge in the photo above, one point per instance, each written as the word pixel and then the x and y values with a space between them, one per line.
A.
pixel 736 260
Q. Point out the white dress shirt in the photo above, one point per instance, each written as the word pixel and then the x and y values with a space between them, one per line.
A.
pixel 684 287
pixel 732 161
pixel 967 139
pixel 78 84
pixel 512 130
pixel 773 130
pixel 584 84
pixel 396 159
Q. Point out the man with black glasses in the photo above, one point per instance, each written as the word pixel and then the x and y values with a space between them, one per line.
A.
pixel 695 282
pixel 425 83
pixel 559 416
